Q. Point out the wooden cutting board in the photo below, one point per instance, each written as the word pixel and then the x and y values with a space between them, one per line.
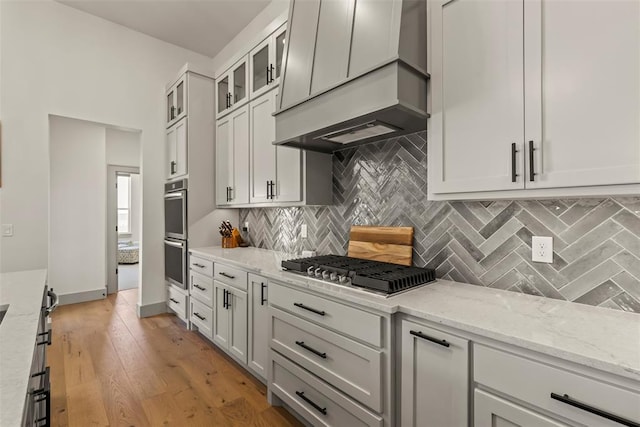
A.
pixel 386 244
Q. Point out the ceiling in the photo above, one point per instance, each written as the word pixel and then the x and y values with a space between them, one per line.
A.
pixel 203 26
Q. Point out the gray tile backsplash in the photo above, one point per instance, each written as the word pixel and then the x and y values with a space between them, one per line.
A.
pixel 596 241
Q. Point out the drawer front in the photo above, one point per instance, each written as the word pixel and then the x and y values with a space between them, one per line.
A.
pixel 201 288
pixel 231 276
pixel 348 365
pixel 533 382
pixel 177 302
pixel 201 265
pixel 202 317
pixel 339 317
pixel 318 403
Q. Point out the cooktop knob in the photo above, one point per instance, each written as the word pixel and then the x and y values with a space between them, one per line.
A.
pixel 318 272
pixel 325 275
pixel 310 271
pixel 342 279
pixel 333 277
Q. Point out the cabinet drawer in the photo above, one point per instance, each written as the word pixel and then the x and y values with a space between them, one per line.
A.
pixel 201 265
pixel 231 276
pixel 177 301
pixel 533 382
pixel 339 317
pixel 348 365
pixel 202 317
pixel 317 402
pixel 201 288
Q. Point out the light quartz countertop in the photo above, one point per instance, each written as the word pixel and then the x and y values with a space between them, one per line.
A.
pixel 595 337
pixel 22 291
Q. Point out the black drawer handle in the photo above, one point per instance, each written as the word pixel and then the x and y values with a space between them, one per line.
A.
pixel 532 173
pixel 48 340
pixel 228 276
pixel 514 175
pixel 564 398
pixel 419 334
pixel 198 265
pixel 199 287
pixel 199 317
pixel 313 310
pixel 263 286
pixel 174 300
pixel 317 407
pixel 312 350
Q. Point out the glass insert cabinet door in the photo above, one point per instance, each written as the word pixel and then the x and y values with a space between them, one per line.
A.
pixel 223 94
pixel 260 64
pixel 279 48
pixel 239 83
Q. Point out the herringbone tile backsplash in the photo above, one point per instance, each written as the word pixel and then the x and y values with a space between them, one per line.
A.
pixel 596 241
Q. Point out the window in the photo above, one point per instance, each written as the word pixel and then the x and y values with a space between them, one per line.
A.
pixel 124 204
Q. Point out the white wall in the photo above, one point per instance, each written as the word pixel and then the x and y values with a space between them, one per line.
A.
pixel 58 60
pixel 123 147
pixel 78 206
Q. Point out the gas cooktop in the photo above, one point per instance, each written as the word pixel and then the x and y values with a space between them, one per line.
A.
pixel 380 277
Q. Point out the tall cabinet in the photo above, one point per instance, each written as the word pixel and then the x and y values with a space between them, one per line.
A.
pixel 524 106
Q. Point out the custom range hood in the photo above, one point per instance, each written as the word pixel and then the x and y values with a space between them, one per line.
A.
pixel 354 73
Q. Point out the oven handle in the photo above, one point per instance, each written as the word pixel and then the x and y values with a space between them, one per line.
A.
pixel 174 244
pixel 174 195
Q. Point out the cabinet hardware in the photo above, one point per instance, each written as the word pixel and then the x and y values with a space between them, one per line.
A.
pixel 532 174
pixel 173 167
pixel 514 151
pixel 268 192
pixel 229 299
pixel 198 265
pixel 312 350
pixel 224 299
pixel 174 300
pixel 268 75
pixel 263 286
pixel 564 398
pixel 313 310
pixel 47 341
pixel 199 287
pixel 323 411
pixel 199 317
pixel 271 73
pixel 419 334
pixel 172 113
pixel 228 276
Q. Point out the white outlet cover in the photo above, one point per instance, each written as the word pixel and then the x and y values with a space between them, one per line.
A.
pixel 542 249
pixel 303 231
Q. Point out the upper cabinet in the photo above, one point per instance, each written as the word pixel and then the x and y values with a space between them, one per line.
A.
pixel 177 150
pixel 233 87
pixel 177 101
pixel 265 63
pixel 542 106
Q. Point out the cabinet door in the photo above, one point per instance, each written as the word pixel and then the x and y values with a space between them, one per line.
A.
pixel 223 100
pixel 177 101
pixel 224 161
pixel 238 329
pixel 221 316
pixel 582 68
pixel 288 186
pixel 240 80
pixel 263 152
pixel 240 131
pixel 277 53
pixel 181 167
pixel 258 325
pixel 492 411
pixel 477 96
pixel 435 377
pixel 260 63
pixel 333 44
pixel 171 152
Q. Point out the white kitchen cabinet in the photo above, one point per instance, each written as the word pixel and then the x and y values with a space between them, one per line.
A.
pixel 258 325
pixel 233 88
pixel 492 411
pixel 275 170
pixel 435 377
pixel 265 63
pixel 177 150
pixel 232 158
pixel 177 101
pixel 230 320
pixel 542 106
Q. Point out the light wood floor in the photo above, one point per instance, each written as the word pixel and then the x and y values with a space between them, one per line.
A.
pixel 110 368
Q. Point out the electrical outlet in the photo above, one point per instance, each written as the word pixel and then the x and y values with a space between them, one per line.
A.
pixel 7 230
pixel 303 231
pixel 542 249
pixel 246 226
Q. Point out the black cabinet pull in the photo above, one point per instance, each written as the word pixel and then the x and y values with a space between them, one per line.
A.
pixel 268 192
pixel 532 174
pixel 317 407
pixel 174 300
pixel 48 340
pixel 564 398
pixel 228 276
pixel 173 167
pixel 272 192
pixel 268 75
pixel 172 112
pixel 271 73
pixel 199 317
pixel 224 299
pixel 229 299
pixel 263 286
pixel 312 350
pixel 198 265
pixel 199 287
pixel 419 334
pixel 313 310
pixel 514 151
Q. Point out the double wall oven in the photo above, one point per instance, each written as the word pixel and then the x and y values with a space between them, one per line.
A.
pixel 175 233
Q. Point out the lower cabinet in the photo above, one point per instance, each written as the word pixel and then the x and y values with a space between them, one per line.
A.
pixel 492 411
pixel 230 320
pixel 258 325
pixel 435 377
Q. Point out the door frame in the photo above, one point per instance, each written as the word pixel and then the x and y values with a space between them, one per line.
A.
pixel 112 221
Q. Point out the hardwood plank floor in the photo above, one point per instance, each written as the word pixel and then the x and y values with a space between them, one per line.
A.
pixel 109 368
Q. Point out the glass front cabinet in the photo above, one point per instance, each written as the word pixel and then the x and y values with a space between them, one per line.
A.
pixel 177 101
pixel 233 87
pixel 265 62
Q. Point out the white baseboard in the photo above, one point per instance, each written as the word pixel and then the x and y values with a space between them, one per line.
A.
pixel 84 296
pixel 149 310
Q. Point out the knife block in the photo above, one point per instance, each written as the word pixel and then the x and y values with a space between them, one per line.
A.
pixel 229 242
